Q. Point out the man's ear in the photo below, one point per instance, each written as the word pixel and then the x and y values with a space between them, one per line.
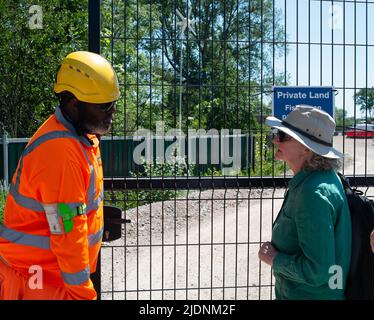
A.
pixel 74 102
pixel 71 107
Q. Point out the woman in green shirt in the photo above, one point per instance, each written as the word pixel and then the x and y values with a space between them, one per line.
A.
pixel 310 248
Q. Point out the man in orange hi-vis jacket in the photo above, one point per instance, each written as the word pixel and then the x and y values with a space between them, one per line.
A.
pixel 53 219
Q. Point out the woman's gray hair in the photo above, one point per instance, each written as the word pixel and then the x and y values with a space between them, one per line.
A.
pixel 317 162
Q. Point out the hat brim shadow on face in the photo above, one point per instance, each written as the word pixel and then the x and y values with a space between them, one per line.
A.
pixel 320 149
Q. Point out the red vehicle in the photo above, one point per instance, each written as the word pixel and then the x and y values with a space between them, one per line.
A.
pixel 361 131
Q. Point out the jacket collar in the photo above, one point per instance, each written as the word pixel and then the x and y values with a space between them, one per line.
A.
pixel 69 126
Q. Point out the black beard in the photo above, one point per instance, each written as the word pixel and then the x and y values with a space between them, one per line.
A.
pixel 93 128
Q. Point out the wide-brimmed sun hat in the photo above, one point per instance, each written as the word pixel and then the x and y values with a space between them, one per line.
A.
pixel 311 127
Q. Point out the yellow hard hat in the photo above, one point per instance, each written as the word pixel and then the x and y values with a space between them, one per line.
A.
pixel 89 76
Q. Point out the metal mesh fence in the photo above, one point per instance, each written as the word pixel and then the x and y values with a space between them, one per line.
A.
pixel 186 66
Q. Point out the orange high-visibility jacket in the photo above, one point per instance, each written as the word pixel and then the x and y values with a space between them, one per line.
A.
pixel 57 166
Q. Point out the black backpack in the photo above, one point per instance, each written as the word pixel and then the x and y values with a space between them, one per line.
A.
pixel 360 280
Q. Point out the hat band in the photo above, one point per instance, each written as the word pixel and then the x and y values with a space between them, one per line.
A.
pixel 309 136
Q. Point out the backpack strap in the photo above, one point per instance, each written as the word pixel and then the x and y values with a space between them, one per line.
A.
pixel 344 180
pixel 347 186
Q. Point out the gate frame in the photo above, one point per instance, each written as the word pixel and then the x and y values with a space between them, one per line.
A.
pixel 94 46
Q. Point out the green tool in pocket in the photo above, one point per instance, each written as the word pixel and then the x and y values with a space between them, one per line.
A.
pixel 68 214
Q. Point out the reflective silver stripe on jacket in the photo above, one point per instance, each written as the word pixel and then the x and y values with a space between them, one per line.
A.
pixel 93 239
pixel 95 203
pixel 23 201
pixel 32 204
pixel 91 192
pixel 59 116
pixel 76 278
pixel 41 242
pixel 28 202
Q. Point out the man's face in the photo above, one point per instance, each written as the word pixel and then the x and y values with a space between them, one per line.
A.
pixel 96 118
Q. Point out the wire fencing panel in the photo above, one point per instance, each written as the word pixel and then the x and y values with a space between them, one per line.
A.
pixel 191 73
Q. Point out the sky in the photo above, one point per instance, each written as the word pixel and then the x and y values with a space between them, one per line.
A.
pixel 340 38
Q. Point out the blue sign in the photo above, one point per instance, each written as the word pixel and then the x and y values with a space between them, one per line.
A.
pixel 285 99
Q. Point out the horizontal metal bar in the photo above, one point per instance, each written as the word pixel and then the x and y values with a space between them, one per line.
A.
pixel 268 41
pixel 183 183
pixel 361 180
pixel 182 245
pixel 153 135
pixel 15 140
pixel 187 289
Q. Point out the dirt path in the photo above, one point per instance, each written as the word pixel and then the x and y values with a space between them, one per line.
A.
pixel 213 247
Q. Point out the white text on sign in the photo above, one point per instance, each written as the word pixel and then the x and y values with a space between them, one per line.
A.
pixel 302 95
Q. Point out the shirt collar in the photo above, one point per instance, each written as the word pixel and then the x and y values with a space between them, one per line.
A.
pixel 298 178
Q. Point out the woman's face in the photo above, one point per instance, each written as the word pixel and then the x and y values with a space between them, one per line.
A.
pixel 291 151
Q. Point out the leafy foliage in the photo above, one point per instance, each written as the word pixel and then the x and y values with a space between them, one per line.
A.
pixel 225 66
pixel 365 99
pixel 30 57
pixel 136 198
pixel 265 165
pixel 341 119
pixel 176 169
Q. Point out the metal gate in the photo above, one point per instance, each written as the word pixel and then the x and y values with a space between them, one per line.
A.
pixel 186 66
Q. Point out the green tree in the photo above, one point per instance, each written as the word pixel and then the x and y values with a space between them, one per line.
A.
pixel 29 59
pixel 365 99
pixel 225 66
pixel 341 119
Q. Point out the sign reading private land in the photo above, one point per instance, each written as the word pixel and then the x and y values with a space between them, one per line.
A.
pixel 285 99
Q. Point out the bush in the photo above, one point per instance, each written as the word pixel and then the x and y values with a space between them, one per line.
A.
pixel 134 198
pixel 3 194
pixel 177 168
pixel 265 165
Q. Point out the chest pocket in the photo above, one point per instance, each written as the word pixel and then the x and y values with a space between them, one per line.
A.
pixel 284 235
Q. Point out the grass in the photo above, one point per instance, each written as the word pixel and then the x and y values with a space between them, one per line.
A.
pixel 3 194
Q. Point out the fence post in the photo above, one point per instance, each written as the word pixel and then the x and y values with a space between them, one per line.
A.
pixel 94 46
pixel 253 151
pixel 94 26
pixel 5 160
pixel 248 156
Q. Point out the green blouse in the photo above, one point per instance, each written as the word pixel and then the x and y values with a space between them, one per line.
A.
pixel 313 236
